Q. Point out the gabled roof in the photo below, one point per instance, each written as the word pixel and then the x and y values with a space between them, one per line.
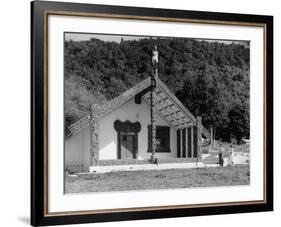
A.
pixel 167 105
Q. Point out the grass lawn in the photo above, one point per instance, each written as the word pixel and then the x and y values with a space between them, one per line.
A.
pixel 158 179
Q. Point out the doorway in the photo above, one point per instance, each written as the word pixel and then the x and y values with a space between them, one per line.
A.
pixel 127 139
pixel 127 146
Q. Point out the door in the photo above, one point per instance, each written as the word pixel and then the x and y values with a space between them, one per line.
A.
pixel 127 146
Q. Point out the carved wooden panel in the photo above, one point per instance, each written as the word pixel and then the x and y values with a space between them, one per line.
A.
pixel 127 126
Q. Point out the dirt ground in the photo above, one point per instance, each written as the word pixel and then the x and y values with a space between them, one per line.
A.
pixel 158 179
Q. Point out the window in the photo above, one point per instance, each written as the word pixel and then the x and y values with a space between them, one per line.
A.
pixel 162 139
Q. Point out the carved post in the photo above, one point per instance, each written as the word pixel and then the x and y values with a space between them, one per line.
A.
pixel 199 137
pixel 181 147
pixel 186 142
pixel 178 143
pixel 153 124
pixel 191 141
pixel 183 153
pixel 212 137
pixel 154 76
pixel 94 135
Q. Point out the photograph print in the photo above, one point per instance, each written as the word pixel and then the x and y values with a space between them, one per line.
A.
pixel 152 113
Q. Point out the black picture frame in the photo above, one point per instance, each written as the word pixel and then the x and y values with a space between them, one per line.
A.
pixel 39 111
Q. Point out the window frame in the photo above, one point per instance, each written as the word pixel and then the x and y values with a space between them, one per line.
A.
pixel 163 131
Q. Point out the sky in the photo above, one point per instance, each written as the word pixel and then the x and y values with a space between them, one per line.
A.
pixel 117 38
pixel 109 38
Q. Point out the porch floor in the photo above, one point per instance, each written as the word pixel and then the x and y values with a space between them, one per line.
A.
pixel 136 167
pixel 115 162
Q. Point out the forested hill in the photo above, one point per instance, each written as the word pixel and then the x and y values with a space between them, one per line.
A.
pixel 210 78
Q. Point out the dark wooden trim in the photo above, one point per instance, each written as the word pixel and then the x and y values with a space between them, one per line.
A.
pixel 118 145
pixel 127 126
pixel 140 94
pixel 136 144
pixel 181 148
pixel 192 141
pixel 195 142
pixel 178 143
pixel 184 143
pixel 189 139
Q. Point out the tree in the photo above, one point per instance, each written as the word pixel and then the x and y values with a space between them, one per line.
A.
pixel 239 122
pixel 210 78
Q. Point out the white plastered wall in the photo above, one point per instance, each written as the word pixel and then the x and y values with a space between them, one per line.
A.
pixel 77 151
pixel 131 112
